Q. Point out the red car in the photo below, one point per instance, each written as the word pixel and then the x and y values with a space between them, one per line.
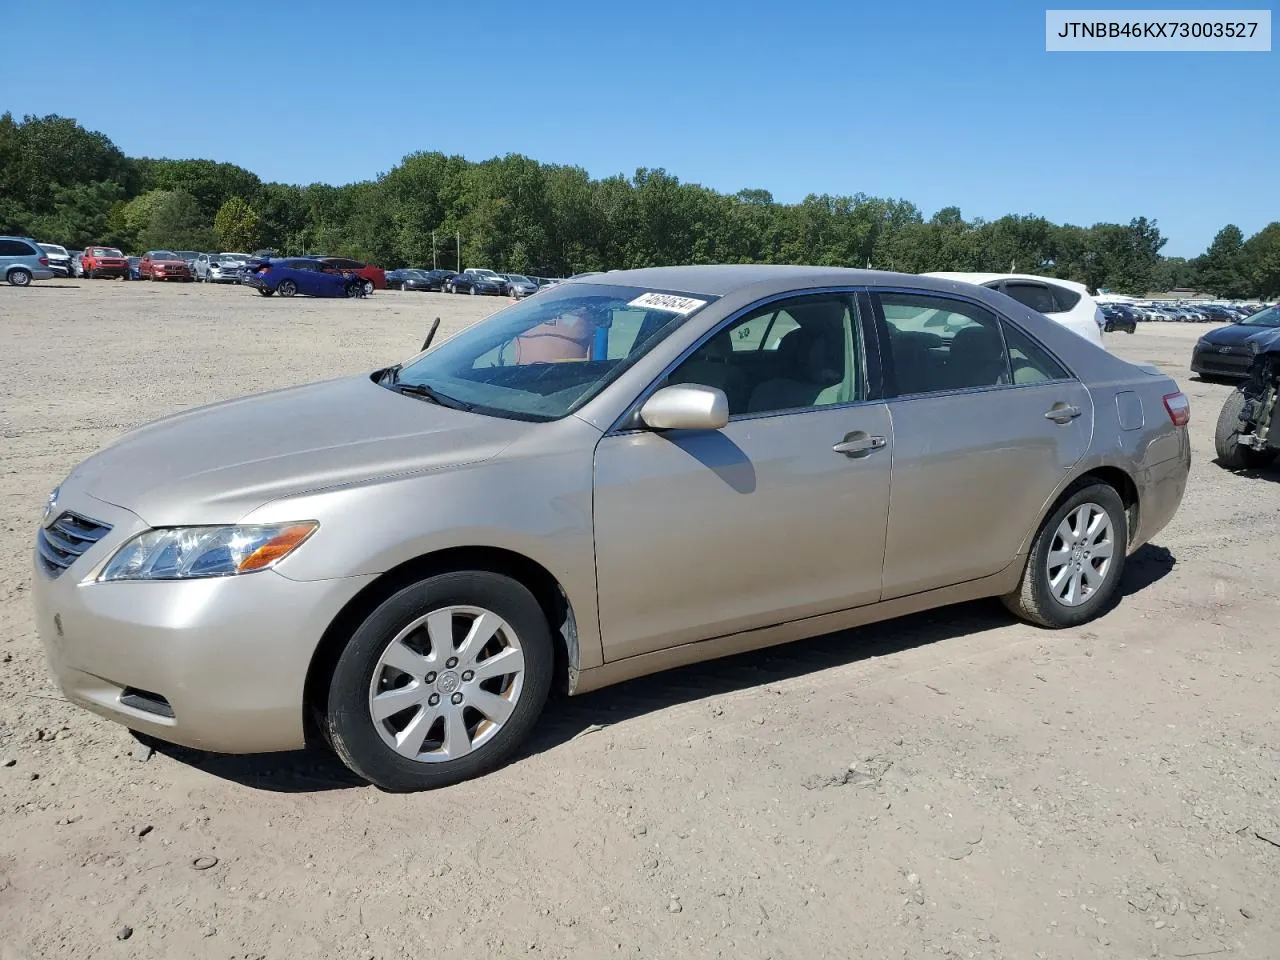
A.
pixel 163 265
pixel 375 278
pixel 104 262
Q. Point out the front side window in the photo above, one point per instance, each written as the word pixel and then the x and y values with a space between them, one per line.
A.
pixel 789 355
pixel 938 344
pixel 546 356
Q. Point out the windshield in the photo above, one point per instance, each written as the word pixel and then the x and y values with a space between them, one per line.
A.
pixel 411 272
pixel 545 357
pixel 1267 318
pixel 484 273
pixel 517 278
pixel 53 248
pixel 104 252
pixel 232 256
pixel 164 255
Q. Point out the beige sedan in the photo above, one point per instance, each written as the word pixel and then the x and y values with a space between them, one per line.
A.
pixel 628 472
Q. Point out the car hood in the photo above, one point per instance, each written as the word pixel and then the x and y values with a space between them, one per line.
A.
pixel 1238 333
pixel 217 463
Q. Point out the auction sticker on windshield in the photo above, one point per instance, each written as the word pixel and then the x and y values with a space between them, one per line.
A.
pixel 667 301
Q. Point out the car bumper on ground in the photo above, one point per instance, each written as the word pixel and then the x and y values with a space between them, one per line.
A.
pixel 1211 361
pixel 223 276
pixel 216 664
pixel 61 269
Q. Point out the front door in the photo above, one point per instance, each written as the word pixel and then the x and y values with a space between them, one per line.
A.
pixel 702 534
pixel 986 424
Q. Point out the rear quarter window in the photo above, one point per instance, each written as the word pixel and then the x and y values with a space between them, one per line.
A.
pixel 16 248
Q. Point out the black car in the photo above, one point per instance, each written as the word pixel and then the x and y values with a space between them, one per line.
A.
pixel 1119 317
pixel 411 278
pixel 1229 351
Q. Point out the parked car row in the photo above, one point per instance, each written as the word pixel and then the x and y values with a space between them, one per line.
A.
pixel 1182 311
pixel 473 280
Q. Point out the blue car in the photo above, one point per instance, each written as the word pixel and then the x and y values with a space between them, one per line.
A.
pixel 311 277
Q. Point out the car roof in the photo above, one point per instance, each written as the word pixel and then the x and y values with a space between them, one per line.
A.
pixel 720 279
pixel 980 278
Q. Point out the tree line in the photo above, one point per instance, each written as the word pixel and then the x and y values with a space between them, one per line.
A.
pixel 61 183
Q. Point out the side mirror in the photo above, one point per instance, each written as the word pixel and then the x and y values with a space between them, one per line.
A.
pixel 687 406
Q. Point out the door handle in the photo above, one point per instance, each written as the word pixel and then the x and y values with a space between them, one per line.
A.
pixel 1062 413
pixel 858 444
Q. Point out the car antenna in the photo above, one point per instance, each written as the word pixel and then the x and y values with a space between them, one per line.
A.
pixel 430 335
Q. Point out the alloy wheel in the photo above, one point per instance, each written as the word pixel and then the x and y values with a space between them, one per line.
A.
pixel 446 684
pixel 1080 556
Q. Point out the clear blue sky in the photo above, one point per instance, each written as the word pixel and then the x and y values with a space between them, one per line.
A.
pixel 938 104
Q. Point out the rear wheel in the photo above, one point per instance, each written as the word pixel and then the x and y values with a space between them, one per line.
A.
pixel 442 682
pixel 263 291
pixel 1076 559
pixel 286 288
pixel 20 278
pixel 1232 454
pixel 474 291
pixel 368 287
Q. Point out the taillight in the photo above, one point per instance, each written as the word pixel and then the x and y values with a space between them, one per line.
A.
pixel 44 261
pixel 1179 408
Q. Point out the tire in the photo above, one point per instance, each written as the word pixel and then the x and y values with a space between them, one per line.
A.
pixel 474 292
pixel 355 290
pixel 1226 438
pixel 286 288
pixel 1042 600
pixel 367 745
pixel 263 291
pixel 20 277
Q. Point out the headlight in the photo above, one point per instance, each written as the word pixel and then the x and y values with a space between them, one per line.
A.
pixel 186 553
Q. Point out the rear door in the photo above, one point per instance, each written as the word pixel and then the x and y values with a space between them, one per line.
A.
pixel 986 424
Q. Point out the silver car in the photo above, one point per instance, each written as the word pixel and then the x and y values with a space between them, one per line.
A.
pixel 220 267
pixel 628 472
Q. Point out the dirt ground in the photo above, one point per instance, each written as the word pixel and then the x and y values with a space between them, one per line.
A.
pixel 949 784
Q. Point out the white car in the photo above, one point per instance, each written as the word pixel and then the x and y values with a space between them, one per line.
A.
pixel 1064 301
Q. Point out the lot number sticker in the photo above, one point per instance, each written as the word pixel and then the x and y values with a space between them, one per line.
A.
pixel 667 301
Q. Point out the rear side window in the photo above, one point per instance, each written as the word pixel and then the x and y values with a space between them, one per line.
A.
pixel 1066 299
pixel 1030 362
pixel 15 248
pixel 937 344
pixel 1037 296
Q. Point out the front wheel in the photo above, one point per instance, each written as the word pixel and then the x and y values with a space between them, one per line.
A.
pixel 1076 559
pixel 1232 454
pixel 442 682
pixel 264 292
pixel 474 291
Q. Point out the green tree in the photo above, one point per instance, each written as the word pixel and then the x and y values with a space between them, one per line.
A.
pixel 1262 262
pixel 177 223
pixel 237 225
pixel 1221 270
pixel 212 184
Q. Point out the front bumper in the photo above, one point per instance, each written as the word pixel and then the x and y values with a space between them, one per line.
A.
pixel 169 275
pixel 1210 361
pixel 60 269
pixel 223 276
pixel 229 655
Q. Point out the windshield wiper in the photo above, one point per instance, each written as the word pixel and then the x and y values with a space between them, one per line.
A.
pixel 427 393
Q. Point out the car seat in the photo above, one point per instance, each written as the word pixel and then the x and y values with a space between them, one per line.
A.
pixel 976 358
